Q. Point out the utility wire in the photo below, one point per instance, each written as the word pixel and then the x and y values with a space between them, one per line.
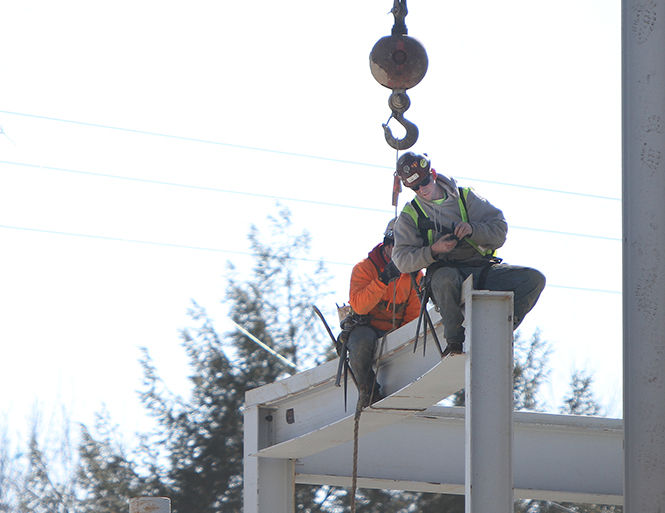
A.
pixel 231 251
pixel 265 196
pixel 191 139
pixel 186 186
pixel 286 153
pixel 155 243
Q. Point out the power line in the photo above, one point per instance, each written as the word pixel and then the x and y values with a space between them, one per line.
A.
pixel 286 153
pixel 191 139
pixel 557 232
pixel 187 186
pixel 230 251
pixel 267 196
pixel 155 243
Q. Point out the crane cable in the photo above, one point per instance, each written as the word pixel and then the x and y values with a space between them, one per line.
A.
pixel 397 62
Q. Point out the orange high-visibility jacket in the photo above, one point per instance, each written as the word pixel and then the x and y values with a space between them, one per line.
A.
pixel 383 303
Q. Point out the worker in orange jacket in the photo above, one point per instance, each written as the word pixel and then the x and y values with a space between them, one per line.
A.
pixel 382 300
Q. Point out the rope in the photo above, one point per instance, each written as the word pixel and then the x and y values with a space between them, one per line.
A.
pixel 354 476
pixel 359 406
pixel 356 430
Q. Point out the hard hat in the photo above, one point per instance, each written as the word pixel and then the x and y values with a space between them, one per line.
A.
pixel 413 168
pixel 388 235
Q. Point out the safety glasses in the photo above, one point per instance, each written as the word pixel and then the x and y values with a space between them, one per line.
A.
pixel 423 183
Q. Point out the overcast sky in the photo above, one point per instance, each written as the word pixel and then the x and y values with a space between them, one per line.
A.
pixel 141 139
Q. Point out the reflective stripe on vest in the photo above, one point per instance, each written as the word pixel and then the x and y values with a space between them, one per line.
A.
pixel 425 224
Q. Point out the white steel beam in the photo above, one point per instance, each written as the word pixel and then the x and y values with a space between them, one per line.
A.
pixel 563 458
pixel 307 413
pixel 643 42
pixel 268 484
pixel 297 430
pixel 488 321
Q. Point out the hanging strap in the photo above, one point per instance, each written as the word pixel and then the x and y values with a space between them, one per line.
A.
pixel 424 224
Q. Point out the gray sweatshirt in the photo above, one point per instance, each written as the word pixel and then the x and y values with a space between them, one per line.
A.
pixel 412 253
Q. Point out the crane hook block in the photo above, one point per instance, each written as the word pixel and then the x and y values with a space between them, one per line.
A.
pixel 398 61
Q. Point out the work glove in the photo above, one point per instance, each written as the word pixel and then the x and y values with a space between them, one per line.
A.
pixel 390 272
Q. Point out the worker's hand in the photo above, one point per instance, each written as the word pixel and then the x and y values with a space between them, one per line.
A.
pixel 390 272
pixel 444 245
pixel 463 230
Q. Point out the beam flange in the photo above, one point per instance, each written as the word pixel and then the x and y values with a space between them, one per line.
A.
pixel 565 458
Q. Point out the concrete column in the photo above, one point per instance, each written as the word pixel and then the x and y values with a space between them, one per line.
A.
pixel 269 484
pixel 489 400
pixel 643 51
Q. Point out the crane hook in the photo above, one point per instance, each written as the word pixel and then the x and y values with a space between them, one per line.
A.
pixel 399 102
pixel 399 62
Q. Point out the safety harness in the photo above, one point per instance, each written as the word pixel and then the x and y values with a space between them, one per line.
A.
pixel 426 225
pixel 426 228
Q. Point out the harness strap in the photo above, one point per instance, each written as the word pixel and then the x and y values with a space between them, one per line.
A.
pixel 426 226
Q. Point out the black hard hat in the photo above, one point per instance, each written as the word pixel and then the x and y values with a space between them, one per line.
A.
pixel 413 168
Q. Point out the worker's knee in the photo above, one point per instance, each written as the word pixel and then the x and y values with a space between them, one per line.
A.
pixel 446 278
pixel 535 280
pixel 538 279
pixel 362 341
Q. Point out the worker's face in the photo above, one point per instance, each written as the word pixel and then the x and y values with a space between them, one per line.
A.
pixel 388 249
pixel 426 191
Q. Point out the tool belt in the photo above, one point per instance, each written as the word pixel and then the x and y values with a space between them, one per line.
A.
pixel 347 324
pixel 486 264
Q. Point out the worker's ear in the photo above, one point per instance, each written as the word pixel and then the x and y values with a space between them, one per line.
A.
pixel 434 174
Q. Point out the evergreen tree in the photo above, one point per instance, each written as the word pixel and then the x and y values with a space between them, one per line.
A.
pixel 107 477
pixel 530 371
pixel 47 484
pixel 9 475
pixel 199 464
pixel 581 400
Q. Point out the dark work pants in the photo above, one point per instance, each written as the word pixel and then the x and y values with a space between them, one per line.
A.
pixel 446 282
pixel 361 347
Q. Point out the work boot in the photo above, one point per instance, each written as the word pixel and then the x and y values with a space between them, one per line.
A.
pixel 454 348
pixel 378 394
pixel 370 395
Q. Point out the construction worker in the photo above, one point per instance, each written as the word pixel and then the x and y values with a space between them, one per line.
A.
pixel 382 299
pixel 453 233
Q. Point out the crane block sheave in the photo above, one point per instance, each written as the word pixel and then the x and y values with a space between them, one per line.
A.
pixel 399 62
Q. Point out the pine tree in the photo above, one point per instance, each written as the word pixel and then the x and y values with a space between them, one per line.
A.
pixel 200 438
pixel 9 474
pixel 581 400
pixel 47 484
pixel 530 371
pixel 107 476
